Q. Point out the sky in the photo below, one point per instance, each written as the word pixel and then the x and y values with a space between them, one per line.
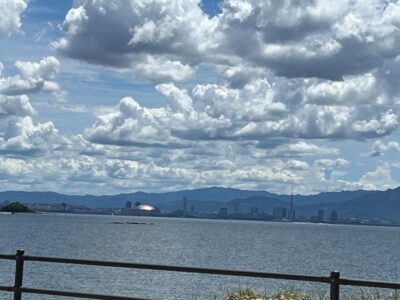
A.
pixel 116 96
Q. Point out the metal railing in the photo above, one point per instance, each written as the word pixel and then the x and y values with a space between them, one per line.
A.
pixel 334 280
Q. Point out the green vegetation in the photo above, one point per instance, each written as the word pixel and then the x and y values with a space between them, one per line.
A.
pixel 16 207
pixel 291 294
pixel 248 294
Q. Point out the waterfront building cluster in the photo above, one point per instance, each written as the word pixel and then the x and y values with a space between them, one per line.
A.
pixel 188 210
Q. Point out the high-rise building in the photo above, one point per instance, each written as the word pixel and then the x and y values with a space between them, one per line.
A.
pixel 279 213
pixel 291 212
pixel 254 212
pixel 334 216
pixel 192 210
pixel 184 205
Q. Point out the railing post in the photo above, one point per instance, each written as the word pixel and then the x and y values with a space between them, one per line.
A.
pixel 19 273
pixel 335 275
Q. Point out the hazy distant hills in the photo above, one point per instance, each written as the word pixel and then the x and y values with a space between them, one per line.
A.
pixel 212 194
pixel 216 194
pixel 263 204
pixel 327 197
pixel 358 204
pixel 378 204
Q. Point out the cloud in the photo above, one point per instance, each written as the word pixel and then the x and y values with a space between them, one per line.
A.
pixel 157 40
pixel 20 134
pixel 32 77
pixel 378 147
pixel 10 20
pixel 25 137
pixel 162 41
pixel 297 165
pixel 258 112
pixel 292 76
pixel 293 148
pixel 331 163
pixel 223 163
pixel 346 51
pixel 387 122
pixel 132 124
pixel 379 179
pixel 180 100
pixel 356 90
pixel 15 106
pixel 70 172
pixel 13 167
pixel 312 39
pixel 36 77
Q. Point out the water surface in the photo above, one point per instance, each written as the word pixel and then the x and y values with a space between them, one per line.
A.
pixel 357 251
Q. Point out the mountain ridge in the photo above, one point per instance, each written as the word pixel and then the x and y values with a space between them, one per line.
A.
pixel 360 203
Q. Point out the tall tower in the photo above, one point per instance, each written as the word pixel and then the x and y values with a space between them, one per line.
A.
pixel 291 206
pixel 184 206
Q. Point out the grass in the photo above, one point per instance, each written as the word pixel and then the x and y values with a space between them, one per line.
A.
pixel 292 294
pixel 285 294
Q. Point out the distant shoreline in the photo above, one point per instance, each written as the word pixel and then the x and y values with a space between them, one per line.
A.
pixel 216 219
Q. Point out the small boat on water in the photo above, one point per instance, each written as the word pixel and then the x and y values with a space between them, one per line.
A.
pixel 6 213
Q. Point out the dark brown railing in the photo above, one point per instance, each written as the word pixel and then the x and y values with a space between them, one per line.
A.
pixel 334 280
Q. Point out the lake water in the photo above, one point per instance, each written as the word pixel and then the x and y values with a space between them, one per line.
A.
pixel 357 251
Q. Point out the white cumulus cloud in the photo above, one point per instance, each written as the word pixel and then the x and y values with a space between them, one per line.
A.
pixel 10 20
pixel 32 77
pixel 156 40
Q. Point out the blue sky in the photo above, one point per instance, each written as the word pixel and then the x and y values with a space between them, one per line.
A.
pixel 118 96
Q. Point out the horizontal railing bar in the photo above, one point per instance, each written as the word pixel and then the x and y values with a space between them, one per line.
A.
pixel 6 288
pixel 311 278
pixel 75 294
pixel 370 283
pixel 8 256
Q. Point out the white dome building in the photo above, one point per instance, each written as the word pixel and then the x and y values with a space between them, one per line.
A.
pixel 140 209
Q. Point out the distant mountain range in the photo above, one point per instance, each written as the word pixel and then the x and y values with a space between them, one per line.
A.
pixel 358 204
